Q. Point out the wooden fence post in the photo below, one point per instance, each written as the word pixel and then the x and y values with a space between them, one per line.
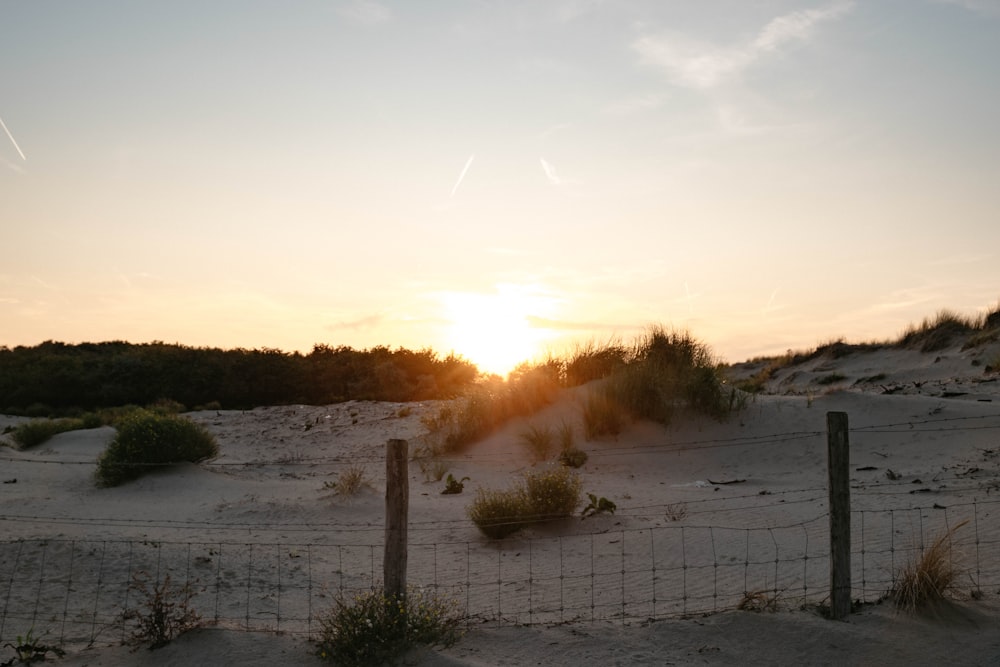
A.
pixel 397 498
pixel 838 457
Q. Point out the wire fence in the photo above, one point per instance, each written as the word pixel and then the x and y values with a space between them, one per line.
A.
pixel 79 590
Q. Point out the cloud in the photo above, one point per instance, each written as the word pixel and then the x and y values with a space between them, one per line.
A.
pixel 550 172
pixel 986 7
pixel 461 176
pixel 631 105
pixel 698 64
pixel 367 12
pixel 362 323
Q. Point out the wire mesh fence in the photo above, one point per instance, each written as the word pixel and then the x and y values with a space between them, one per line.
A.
pixel 78 590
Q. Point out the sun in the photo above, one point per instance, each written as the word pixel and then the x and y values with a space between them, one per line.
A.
pixel 495 330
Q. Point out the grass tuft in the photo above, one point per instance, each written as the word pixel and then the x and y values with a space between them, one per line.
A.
pixel 926 579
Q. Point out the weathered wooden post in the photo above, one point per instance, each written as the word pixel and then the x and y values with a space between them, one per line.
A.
pixel 397 497
pixel 838 456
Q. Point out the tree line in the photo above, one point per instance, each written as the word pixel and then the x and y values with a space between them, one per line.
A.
pixel 56 377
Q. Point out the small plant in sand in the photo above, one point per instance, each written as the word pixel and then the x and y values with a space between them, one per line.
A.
pixel 350 481
pixel 147 441
pixel 598 506
pixel 759 601
pixel 454 486
pixel 676 511
pixel 569 454
pixel 164 612
pixel 539 440
pixel 29 649
pixel 926 579
pixel 371 628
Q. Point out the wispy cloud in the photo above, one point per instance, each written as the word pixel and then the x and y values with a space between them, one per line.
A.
pixel 987 7
pixel 638 104
pixel 11 137
pixel 698 64
pixel 461 176
pixel 550 172
pixel 362 323
pixel 367 12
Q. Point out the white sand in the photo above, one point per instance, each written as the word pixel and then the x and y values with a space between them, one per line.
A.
pixel 944 449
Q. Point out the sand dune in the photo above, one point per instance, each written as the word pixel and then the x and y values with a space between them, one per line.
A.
pixel 707 512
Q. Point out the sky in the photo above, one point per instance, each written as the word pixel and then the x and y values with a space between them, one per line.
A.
pixel 499 179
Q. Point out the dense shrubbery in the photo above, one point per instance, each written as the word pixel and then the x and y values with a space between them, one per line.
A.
pixel 373 629
pixel 56 378
pixel 147 440
pixel 544 495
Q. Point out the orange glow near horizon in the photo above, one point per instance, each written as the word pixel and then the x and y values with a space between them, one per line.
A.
pixel 494 331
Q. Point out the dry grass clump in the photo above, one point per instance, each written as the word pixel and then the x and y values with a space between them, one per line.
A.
pixel 664 371
pixel 926 579
pixel 493 401
pixel 539 440
pixel 938 333
pixel 350 481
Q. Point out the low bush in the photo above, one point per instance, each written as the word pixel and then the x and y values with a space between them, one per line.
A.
pixel 498 514
pixel 542 496
pixel 373 629
pixel 147 440
pixel 552 494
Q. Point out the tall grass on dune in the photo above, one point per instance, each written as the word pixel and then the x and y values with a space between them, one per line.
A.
pixel 492 402
pixel 664 371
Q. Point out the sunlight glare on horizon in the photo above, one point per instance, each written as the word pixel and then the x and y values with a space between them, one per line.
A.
pixel 494 330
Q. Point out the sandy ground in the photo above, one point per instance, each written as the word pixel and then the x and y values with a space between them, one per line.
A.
pixel 697 502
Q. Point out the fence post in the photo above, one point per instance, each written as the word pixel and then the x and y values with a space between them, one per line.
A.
pixel 838 457
pixel 397 497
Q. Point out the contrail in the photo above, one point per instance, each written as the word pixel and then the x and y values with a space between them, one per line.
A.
pixel 12 140
pixel 468 163
pixel 550 172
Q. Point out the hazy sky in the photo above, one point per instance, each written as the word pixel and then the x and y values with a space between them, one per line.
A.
pixel 495 177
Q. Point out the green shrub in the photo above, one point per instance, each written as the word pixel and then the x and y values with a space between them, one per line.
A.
pixel 544 495
pixel 147 440
pixel 552 493
pixel 373 629
pixel 498 514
